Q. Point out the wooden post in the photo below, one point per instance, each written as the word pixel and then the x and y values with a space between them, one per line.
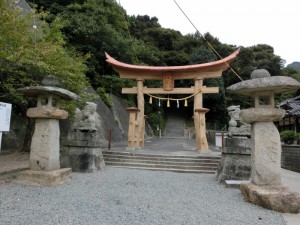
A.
pixel 202 127
pixel 132 131
pixel 197 105
pixel 143 134
pixel 140 115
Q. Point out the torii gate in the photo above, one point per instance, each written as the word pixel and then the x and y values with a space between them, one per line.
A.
pixel 169 74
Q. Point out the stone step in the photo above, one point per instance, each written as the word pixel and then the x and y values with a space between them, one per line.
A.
pixel 132 154
pixel 168 169
pixel 205 162
pixel 162 165
pixel 175 126
pixel 164 157
pixel 176 163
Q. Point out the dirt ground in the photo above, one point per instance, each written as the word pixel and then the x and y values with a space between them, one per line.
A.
pixel 13 162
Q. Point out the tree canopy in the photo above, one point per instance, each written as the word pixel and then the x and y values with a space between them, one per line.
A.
pixel 92 27
pixel 29 52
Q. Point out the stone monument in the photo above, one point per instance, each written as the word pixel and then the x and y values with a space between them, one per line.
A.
pixel 265 188
pixel 44 165
pixel 81 151
pixel 235 161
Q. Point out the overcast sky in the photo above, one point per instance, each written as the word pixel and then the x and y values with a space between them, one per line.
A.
pixel 237 22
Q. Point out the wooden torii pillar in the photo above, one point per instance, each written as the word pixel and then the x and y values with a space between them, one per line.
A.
pixel 168 74
pixel 133 137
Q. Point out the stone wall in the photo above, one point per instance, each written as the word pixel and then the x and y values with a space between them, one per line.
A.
pixel 106 119
pixel 14 138
pixel 290 157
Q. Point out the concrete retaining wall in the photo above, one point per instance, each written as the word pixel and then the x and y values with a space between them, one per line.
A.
pixel 290 157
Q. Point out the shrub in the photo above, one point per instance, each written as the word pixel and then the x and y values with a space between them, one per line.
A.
pixel 105 96
pixel 156 120
pixel 289 136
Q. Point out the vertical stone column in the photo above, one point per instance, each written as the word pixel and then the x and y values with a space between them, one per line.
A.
pixel 140 115
pixel 197 105
pixel 132 129
pixel 202 140
pixel 266 154
pixel 44 154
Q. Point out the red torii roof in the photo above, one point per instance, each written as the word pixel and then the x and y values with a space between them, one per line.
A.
pixel 133 71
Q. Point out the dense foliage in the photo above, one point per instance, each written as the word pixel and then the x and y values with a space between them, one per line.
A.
pixel 29 52
pixel 93 27
pixel 295 65
pixel 289 136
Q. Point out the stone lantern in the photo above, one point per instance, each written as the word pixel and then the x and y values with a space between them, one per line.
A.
pixel 44 164
pixel 265 188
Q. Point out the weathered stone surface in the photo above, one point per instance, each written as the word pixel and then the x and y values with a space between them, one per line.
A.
pixel 236 128
pixel 274 197
pixel 259 73
pixel 44 155
pixel 261 115
pixel 82 138
pixel 105 121
pixel 44 112
pixel 234 111
pixel 81 143
pixel 43 90
pixel 82 152
pixel 120 115
pixel 236 150
pixel 85 119
pixel 266 154
pixel 244 130
pixel 83 159
pixel 277 84
pixel 43 178
pixel 238 142
pixel 234 167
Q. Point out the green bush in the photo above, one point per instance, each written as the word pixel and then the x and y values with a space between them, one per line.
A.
pixel 289 136
pixel 105 97
pixel 156 120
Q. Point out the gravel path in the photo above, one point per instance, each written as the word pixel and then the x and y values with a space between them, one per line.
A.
pixel 128 197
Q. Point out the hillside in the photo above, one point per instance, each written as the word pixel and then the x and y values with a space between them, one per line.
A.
pixel 295 65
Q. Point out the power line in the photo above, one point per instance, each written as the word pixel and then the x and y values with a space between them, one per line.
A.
pixel 208 43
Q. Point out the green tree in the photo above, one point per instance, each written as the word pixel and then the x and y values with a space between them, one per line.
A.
pixel 290 72
pixel 264 58
pixel 215 102
pixel 27 54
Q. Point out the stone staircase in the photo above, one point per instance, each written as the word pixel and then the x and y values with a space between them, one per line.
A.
pixel 174 163
pixel 175 126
